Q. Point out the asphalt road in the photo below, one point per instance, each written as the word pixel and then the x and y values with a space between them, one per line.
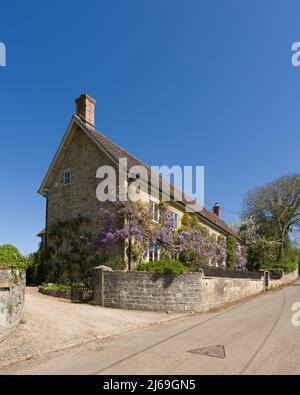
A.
pixel 258 338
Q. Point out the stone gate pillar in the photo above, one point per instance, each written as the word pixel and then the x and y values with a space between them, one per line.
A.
pixel 98 283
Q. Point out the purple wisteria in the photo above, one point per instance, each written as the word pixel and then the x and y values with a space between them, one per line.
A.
pixel 131 221
pixel 124 220
pixel 201 249
pixel 240 261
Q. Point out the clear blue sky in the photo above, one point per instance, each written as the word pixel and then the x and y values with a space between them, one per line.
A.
pixel 176 82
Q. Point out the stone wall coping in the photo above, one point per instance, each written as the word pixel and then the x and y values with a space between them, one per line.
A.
pixel 103 268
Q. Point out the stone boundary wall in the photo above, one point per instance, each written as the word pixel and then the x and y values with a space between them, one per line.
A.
pixel 12 296
pixel 166 292
pixel 285 279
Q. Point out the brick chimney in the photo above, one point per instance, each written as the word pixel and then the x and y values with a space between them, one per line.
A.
pixel 217 209
pixel 85 108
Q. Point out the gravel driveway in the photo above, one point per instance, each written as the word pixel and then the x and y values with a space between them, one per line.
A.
pixel 50 324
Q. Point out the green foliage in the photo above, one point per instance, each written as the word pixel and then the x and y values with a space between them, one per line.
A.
pixel 163 266
pixel 10 256
pixel 230 252
pixel 289 264
pixel 55 287
pixel 30 271
pixel 38 267
pixel 262 251
pixel 291 258
pixel 191 222
pixel 262 255
pixel 68 254
pixel 119 264
pixel 275 209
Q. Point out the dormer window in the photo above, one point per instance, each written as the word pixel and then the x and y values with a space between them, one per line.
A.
pixel 67 177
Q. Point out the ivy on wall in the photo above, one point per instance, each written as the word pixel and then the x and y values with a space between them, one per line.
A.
pixel 67 254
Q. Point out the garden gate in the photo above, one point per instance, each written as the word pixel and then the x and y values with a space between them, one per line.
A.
pixel 82 288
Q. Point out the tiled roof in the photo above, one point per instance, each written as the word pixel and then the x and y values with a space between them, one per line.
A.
pixel 117 153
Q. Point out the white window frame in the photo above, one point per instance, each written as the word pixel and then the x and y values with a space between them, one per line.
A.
pixel 152 205
pixel 67 171
pixel 153 252
pixel 176 256
pixel 173 213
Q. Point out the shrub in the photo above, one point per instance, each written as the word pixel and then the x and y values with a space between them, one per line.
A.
pixel 10 256
pixel 163 266
pixel 55 287
pixel 290 264
pixel 35 271
pixel 230 252
pixel 119 264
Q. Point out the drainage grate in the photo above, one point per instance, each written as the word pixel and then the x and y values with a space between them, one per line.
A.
pixel 212 351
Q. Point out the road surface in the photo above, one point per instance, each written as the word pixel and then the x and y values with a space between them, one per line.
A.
pixel 50 324
pixel 258 338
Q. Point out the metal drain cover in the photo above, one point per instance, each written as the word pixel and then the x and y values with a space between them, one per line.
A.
pixel 211 351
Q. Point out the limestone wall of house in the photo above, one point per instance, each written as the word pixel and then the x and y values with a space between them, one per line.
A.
pixel 180 211
pixel 12 296
pixel 82 157
pixel 66 202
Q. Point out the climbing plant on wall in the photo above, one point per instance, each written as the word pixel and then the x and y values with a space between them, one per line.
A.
pixel 230 252
pixel 67 253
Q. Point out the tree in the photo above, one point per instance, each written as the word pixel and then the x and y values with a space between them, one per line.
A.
pixel 275 209
pixel 230 251
pixel 36 272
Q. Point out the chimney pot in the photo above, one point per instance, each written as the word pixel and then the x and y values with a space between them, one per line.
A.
pixel 85 108
pixel 217 209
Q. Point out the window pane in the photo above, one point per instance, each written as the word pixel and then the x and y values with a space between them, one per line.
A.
pixel 154 210
pixel 153 252
pixel 67 177
pixel 174 218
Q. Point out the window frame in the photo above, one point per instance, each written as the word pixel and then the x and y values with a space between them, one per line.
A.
pixel 153 252
pixel 152 205
pixel 65 172
pixel 175 214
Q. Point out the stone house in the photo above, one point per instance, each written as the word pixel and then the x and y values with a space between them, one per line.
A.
pixel 70 183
